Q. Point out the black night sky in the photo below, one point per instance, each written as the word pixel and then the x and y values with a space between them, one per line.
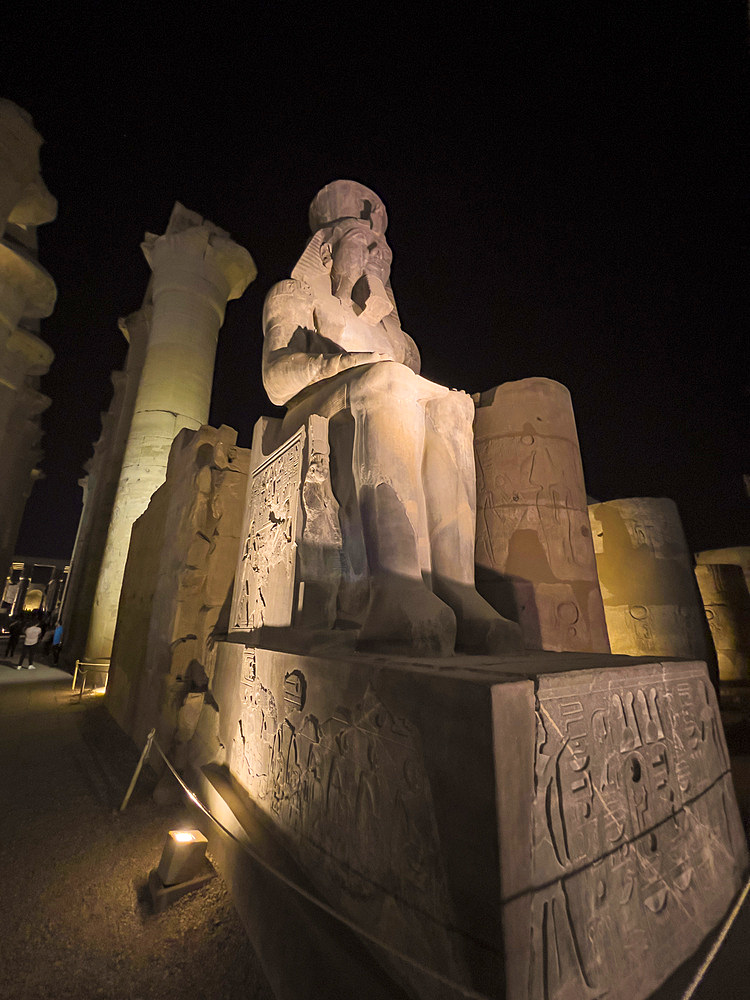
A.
pixel 567 195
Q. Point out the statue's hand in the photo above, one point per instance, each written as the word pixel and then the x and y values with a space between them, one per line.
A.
pixel 351 359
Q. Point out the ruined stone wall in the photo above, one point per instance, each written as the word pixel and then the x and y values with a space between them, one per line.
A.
pixel 177 584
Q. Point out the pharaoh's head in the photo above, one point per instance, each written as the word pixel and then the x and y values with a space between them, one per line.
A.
pixel 347 200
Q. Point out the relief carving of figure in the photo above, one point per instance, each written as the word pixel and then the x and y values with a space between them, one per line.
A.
pixel 402 455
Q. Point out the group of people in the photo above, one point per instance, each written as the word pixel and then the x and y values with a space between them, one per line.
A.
pixel 36 632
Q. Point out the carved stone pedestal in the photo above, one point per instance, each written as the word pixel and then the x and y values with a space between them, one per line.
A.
pixel 547 827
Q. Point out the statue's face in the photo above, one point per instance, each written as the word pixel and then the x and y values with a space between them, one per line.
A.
pixel 358 250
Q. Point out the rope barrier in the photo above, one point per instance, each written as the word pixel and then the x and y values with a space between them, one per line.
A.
pixel 152 742
pixel 714 950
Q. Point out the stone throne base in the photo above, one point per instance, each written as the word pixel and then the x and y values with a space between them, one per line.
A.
pixel 557 826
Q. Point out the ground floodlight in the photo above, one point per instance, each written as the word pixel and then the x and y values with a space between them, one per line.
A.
pixel 182 857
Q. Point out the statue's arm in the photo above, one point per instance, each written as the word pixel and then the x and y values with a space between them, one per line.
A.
pixel 289 364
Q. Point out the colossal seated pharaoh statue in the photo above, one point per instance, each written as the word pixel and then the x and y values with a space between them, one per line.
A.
pixel 402 461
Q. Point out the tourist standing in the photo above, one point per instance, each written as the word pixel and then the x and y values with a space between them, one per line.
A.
pixel 57 643
pixel 30 641
pixel 14 633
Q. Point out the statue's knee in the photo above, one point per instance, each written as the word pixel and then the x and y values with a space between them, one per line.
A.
pixel 385 380
pixel 454 409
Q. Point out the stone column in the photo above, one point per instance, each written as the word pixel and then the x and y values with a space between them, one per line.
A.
pixel 26 289
pixel 534 556
pixel 196 269
pixel 651 599
pixel 20 458
pixel 24 199
pixel 28 292
pixel 100 487
pixel 727 605
pixel 738 555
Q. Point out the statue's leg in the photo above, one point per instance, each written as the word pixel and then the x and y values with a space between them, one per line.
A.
pixel 450 499
pixel 403 615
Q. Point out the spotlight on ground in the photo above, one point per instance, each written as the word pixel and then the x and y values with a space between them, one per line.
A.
pixel 183 868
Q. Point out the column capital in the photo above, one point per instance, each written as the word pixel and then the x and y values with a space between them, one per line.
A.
pixel 26 288
pixel 37 355
pixel 135 326
pixel 19 156
pixel 199 257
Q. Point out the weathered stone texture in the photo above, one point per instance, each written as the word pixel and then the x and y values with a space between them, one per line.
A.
pixel 727 605
pixel 99 487
pixel 27 294
pixel 290 564
pixel 534 555
pixel 538 828
pixel 197 269
pixel 401 455
pixel 177 587
pixel 651 600
pixel 738 555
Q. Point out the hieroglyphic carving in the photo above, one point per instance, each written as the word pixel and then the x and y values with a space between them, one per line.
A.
pixel 295 691
pixel 726 602
pixel 352 793
pixel 635 829
pixel 646 576
pixel 290 565
pixel 264 591
pixel 319 554
pixel 534 554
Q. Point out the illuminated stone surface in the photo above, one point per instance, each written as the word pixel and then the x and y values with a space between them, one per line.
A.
pixel 100 487
pixel 176 586
pixel 196 269
pixel 24 199
pixel 651 601
pixel 739 555
pixel 727 604
pixel 537 827
pixel 27 294
pixel 534 554
pixel 402 464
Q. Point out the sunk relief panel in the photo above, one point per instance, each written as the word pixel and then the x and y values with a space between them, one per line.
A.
pixel 615 761
pixel 265 583
pixel 350 791
pixel 636 834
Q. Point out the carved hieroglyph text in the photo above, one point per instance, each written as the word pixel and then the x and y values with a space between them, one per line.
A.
pixel 635 831
pixel 264 591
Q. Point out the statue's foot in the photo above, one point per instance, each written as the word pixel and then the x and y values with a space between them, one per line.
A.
pixel 480 629
pixel 404 618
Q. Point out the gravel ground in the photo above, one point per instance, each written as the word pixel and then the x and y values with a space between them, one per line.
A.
pixel 75 918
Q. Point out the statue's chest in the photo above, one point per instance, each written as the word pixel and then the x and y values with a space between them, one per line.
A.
pixel 341 326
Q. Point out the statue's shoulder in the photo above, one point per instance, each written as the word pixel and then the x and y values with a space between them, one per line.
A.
pixel 290 286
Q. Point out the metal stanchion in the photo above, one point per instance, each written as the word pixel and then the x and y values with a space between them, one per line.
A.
pixel 139 765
